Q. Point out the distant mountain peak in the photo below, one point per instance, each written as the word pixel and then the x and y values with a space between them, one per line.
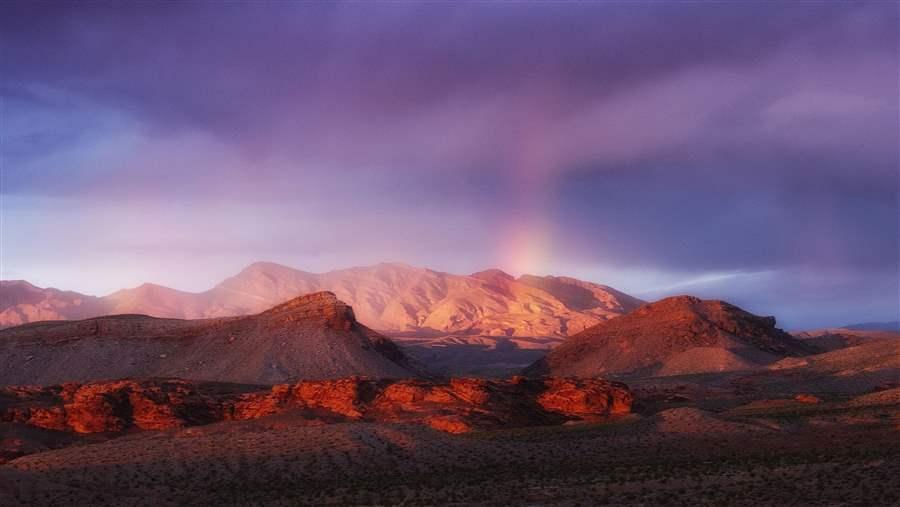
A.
pixel 875 326
pixel 18 282
pixel 152 286
pixel 493 274
pixel 264 265
pixel 267 268
pixel 398 265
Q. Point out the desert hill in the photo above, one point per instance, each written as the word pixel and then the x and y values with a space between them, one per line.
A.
pixel 315 336
pixel 391 297
pixel 674 336
pixel 873 364
pixel 829 339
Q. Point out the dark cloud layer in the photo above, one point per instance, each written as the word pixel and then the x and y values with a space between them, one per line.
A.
pixel 688 138
pixel 331 74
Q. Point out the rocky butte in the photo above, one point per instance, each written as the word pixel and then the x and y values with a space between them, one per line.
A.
pixel 674 336
pixel 315 336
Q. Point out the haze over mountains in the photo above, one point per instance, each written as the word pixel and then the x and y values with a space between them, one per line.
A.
pixel 875 326
pixel 21 302
pixel 389 297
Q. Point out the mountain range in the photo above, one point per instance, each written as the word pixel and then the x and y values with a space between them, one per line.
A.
pixel 875 326
pixel 390 297
pixel 22 302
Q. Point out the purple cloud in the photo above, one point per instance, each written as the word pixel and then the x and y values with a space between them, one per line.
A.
pixel 692 139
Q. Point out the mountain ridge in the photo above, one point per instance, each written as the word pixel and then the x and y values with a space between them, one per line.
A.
pixel 390 297
pixel 22 302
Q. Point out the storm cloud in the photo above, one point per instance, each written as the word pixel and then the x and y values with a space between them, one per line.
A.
pixel 745 151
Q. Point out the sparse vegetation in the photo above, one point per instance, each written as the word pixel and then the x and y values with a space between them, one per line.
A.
pixel 632 461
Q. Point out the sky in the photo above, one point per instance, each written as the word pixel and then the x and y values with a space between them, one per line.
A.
pixel 734 150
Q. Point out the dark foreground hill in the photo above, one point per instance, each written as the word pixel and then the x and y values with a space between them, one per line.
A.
pixel 675 336
pixel 311 337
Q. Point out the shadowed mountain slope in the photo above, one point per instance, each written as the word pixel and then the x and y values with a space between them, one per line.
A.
pixel 310 337
pixel 674 336
pixel 873 364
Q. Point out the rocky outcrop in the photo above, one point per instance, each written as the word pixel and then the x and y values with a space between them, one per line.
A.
pixel 456 406
pixel 319 307
pixel 584 398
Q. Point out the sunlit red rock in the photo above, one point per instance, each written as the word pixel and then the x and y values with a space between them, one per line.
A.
pixel 52 418
pixel 448 423
pixel 456 406
pixel 339 396
pixel 807 398
pixel 585 397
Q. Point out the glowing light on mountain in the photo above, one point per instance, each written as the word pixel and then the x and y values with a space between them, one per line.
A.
pixel 526 249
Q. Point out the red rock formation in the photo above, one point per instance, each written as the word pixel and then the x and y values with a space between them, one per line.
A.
pixel 448 423
pixel 807 398
pixel 260 404
pixel 585 397
pixel 472 390
pixel 96 408
pixel 339 396
pixel 457 406
pixel 53 418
